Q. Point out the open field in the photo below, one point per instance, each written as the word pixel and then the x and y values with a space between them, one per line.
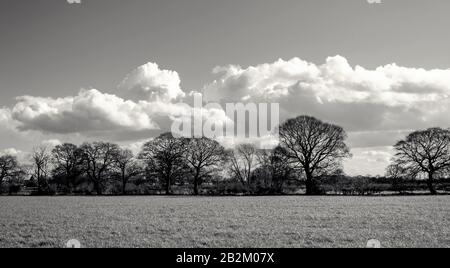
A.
pixel 225 221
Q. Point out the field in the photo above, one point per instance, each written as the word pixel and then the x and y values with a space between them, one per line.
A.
pixel 225 221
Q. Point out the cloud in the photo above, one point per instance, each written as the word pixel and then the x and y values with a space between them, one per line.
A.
pixel 389 97
pixel 149 83
pixel 89 111
pixel 22 157
pixel 96 114
pixel 371 160
pixel 51 143
pixel 74 1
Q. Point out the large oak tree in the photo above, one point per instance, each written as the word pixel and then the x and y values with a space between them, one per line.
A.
pixel 99 159
pixel 164 157
pixel 425 151
pixel 203 156
pixel 313 146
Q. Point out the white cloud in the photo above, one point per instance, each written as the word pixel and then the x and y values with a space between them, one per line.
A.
pixel 148 82
pixel 389 97
pixel 371 160
pixel 22 157
pixel 89 111
pixel 93 113
pixel 51 143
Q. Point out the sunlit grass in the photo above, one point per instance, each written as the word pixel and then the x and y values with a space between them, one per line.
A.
pixel 225 221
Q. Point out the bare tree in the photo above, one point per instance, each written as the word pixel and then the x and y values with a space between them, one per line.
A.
pixel 164 157
pixel 243 162
pixel 68 159
pixel 397 174
pixel 127 166
pixel 9 167
pixel 425 151
pixel 41 160
pixel 313 146
pixel 203 155
pixel 98 159
pixel 275 165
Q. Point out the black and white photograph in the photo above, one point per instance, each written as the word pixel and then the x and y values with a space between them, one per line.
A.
pixel 240 126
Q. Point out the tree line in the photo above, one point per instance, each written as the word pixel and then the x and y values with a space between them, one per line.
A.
pixel 309 155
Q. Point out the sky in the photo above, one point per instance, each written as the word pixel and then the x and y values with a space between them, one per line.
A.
pixel 114 69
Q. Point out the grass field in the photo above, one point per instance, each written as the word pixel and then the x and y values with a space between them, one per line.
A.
pixel 225 221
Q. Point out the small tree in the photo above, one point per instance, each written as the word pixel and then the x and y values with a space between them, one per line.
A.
pixel 243 162
pixel 313 147
pixel 9 168
pixel 98 159
pixel 164 157
pixel 203 156
pixel 127 167
pixel 425 151
pixel 68 159
pixel 275 165
pixel 41 160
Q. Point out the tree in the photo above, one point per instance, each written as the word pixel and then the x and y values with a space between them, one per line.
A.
pixel 425 151
pixel 164 157
pixel 68 159
pixel 127 167
pixel 313 146
pixel 243 162
pixel 9 168
pixel 98 159
pixel 203 156
pixel 275 165
pixel 41 160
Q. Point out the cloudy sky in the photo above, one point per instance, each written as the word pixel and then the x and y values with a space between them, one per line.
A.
pixel 116 70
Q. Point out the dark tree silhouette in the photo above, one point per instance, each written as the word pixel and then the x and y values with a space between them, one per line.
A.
pixel 313 146
pixel 98 160
pixel 243 162
pixel 203 156
pixel 68 159
pixel 275 165
pixel 127 167
pixel 397 174
pixel 164 157
pixel 41 160
pixel 425 151
pixel 9 167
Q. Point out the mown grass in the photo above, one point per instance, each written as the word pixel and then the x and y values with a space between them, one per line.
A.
pixel 225 221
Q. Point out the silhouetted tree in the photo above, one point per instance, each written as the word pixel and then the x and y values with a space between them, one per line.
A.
pixel 313 146
pixel 68 159
pixel 127 167
pixel 203 156
pixel 41 160
pixel 425 151
pixel 164 157
pixel 275 165
pixel 243 162
pixel 98 160
pixel 9 168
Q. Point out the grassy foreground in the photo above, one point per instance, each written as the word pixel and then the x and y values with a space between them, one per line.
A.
pixel 225 221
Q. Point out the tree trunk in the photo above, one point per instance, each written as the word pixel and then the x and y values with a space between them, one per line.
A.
pixel 309 184
pixel 97 188
pixel 124 183
pixel 196 181
pixel 168 186
pixel 196 185
pixel 430 184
